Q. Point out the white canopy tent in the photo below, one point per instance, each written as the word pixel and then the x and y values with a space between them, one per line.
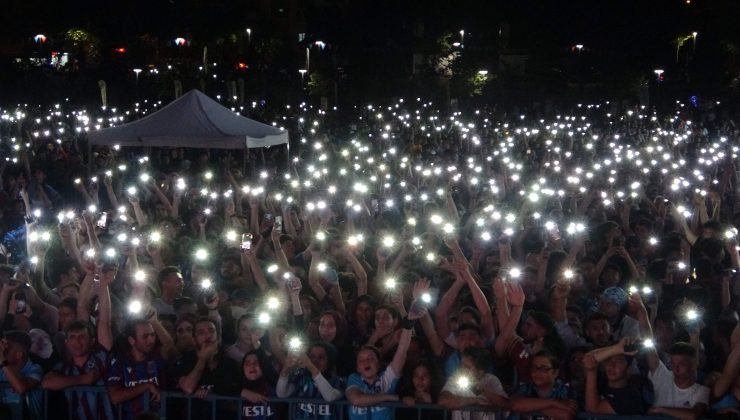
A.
pixel 194 120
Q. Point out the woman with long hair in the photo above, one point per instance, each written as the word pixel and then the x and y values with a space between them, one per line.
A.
pixel 257 385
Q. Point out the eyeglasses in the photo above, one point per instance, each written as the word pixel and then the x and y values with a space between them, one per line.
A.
pixel 542 369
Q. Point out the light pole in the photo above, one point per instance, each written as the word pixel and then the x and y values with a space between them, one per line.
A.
pixel 659 73
pixel 694 34
pixel 136 89
pixel 303 74
pixel 249 35
pixel 579 47
pixel 462 37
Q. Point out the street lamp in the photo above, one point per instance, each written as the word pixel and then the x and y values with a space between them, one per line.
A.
pixel 659 73
pixel 308 57
pixel 303 73
pixel 249 35
pixel 462 37
pixel 483 72
pixel 694 34
pixel 320 44
pixel 137 71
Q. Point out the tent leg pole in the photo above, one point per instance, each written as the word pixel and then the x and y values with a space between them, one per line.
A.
pixel 287 157
pixel 244 161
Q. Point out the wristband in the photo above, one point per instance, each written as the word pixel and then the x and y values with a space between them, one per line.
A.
pixel 407 324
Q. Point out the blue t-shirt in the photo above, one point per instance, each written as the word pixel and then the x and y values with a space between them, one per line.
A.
pixel 728 401
pixel 386 383
pixel 33 397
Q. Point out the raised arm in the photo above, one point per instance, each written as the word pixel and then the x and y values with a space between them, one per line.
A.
pixel 282 260
pixel 105 336
pixel 314 279
pixel 446 304
pixel 436 343
pixel 729 374
pixel 515 297
pixel 108 182
pixel 399 358
pixel 165 339
pixel 249 260
pixel 358 269
pixel 481 303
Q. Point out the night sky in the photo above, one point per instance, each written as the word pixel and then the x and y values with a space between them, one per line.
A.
pixel 619 37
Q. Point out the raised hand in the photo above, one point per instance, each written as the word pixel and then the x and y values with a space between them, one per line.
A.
pixel 421 286
pixel 515 295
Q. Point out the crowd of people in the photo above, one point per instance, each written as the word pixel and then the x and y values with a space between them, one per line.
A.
pixel 533 265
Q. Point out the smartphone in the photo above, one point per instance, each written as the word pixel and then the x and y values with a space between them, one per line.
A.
pixel 279 223
pixel 246 241
pixel 637 346
pixel 293 282
pixel 619 241
pixel 103 220
pixel 20 300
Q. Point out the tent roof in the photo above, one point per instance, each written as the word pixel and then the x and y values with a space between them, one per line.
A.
pixel 193 120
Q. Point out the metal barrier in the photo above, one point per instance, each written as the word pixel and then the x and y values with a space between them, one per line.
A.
pixel 224 407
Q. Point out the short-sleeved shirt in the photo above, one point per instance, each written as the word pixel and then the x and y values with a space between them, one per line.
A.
pixel 726 402
pixel 124 371
pixel 88 405
pixel 33 397
pixel 521 358
pixel 386 383
pixel 667 394
pixel 488 382
pixel 628 401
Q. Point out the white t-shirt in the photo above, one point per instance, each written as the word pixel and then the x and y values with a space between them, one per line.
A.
pixel 667 394
pixel 488 382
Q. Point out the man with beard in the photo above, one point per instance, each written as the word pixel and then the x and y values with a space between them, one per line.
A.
pixel 537 333
pixel 207 369
pixel 136 377
pixel 468 336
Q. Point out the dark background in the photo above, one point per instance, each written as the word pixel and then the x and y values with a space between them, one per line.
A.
pixel 370 48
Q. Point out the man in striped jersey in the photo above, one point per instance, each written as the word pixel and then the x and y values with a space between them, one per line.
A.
pixel 136 377
pixel 87 366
